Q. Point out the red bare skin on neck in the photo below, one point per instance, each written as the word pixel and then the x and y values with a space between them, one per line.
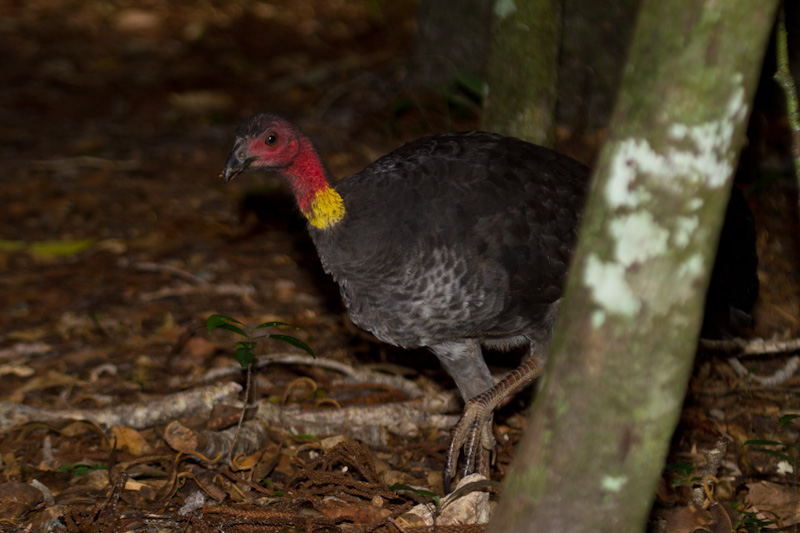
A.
pixel 294 157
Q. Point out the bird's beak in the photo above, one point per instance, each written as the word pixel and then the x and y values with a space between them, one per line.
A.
pixel 233 166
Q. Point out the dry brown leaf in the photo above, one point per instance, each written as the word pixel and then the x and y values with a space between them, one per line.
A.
pixel 470 508
pixel 248 462
pixel 690 519
pixel 774 500
pixel 130 440
pixel 201 347
pixel 724 517
pixel 51 378
pixel 16 499
pixel 357 513
pixel 717 518
pixel 30 334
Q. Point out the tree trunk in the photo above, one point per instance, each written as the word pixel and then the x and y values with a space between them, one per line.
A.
pixel 452 40
pixel 522 69
pixel 622 351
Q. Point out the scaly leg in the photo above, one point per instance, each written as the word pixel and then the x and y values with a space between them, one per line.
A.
pixel 473 431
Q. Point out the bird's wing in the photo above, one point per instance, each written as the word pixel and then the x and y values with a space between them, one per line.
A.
pixel 451 235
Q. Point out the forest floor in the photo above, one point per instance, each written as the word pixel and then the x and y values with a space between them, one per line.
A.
pixel 118 240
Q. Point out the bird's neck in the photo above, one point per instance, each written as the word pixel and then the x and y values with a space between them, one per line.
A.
pixel 318 200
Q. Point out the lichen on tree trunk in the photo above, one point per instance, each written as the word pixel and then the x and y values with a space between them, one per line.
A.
pixel 623 347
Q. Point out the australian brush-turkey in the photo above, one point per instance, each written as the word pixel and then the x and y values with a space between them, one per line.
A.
pixel 452 242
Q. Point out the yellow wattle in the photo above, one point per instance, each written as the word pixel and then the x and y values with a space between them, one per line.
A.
pixel 327 208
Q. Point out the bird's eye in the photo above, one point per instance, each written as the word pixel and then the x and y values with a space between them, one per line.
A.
pixel 271 139
pixel 241 155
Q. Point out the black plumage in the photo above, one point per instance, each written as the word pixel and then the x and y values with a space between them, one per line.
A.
pixel 734 285
pixel 456 238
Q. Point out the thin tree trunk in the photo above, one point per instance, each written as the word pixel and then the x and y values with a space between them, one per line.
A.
pixel 523 68
pixel 623 348
pixel 452 40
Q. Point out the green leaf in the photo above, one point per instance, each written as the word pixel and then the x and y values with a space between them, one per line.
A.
pixel 763 443
pixel 294 342
pixel 273 324
pixel 750 519
pixel 401 105
pixel 215 321
pixel 244 355
pixel 785 420
pixel 472 85
pixel 307 436
pixel 235 329
pixel 49 249
pixel 682 468
pixel 275 492
pixel 12 246
pixel 780 455
pixel 250 345
pixel 424 493
pixel 220 321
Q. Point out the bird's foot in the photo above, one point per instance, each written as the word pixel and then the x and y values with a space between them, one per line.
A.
pixel 473 434
pixel 473 431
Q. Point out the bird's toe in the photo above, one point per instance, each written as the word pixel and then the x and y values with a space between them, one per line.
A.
pixel 472 435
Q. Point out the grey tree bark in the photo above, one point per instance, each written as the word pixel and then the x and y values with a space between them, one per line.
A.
pixel 522 69
pixel 623 347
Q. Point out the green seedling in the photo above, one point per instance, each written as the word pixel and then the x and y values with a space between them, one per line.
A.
pixel 245 350
pixel 424 494
pixel 758 446
pixel 750 522
pixel 786 420
pixel 684 471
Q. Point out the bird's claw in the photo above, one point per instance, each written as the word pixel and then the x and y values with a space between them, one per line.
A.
pixel 473 431
pixel 473 434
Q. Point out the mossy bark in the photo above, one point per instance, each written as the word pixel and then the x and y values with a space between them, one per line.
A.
pixel 522 69
pixel 623 348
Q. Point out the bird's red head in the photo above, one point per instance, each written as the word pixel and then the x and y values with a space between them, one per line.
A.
pixel 271 143
pixel 264 142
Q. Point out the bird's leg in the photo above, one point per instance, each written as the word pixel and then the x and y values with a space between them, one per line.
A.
pixel 464 361
pixel 473 431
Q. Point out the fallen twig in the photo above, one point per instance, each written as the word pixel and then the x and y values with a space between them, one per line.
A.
pixel 253 436
pixel 743 347
pixel 371 424
pixel 24 349
pixel 714 457
pixel 778 378
pixel 357 375
pixel 146 266
pixel 224 289
pixel 139 415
